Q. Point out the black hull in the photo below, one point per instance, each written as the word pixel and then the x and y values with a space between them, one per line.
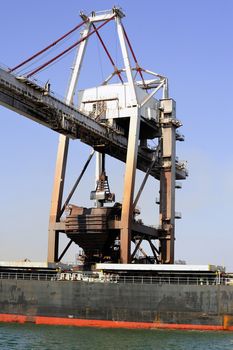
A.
pixel 143 303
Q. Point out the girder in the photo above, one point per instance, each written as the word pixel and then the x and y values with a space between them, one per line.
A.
pixel 35 102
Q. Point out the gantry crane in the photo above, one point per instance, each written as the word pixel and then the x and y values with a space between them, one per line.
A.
pixel 116 119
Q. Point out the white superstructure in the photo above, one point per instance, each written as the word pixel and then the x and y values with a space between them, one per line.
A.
pixel 114 101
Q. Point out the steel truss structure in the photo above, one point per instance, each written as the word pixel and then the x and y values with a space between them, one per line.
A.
pixel 124 137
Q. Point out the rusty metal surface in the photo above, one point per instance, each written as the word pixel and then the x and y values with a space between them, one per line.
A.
pixel 167 182
pixel 96 229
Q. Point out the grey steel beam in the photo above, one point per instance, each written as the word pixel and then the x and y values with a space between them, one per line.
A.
pixel 76 183
pixel 137 246
pixel 65 250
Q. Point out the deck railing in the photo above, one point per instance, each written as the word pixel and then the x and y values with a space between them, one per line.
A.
pixel 177 280
pixel 27 276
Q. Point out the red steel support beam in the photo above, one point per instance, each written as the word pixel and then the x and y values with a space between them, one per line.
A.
pixel 108 54
pixel 68 49
pixel 47 47
pixel 133 54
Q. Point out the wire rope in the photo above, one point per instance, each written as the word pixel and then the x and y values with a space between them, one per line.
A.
pixel 45 54
pixel 48 47
pixel 68 49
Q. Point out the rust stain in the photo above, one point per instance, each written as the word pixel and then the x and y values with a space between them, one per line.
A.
pixel 228 322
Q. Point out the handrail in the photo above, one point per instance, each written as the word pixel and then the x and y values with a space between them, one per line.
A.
pixel 82 277
pixel 27 276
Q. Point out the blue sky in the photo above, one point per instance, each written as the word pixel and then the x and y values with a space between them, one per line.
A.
pixel 188 41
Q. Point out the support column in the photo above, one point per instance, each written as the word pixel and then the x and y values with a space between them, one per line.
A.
pixel 131 158
pixel 59 178
pixel 129 182
pixel 167 217
pixel 167 181
pixel 56 205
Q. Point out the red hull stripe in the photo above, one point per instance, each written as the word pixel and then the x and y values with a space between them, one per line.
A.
pixel 105 324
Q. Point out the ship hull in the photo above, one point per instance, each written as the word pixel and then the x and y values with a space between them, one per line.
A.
pixel 117 304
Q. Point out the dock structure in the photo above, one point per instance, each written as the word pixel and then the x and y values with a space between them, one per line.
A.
pixel 115 119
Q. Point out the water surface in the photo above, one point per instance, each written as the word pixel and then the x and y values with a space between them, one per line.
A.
pixel 30 337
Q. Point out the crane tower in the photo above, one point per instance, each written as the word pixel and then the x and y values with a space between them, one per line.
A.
pixel 118 119
pixel 131 109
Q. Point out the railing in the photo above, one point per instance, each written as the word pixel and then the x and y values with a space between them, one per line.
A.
pixel 77 277
pixel 35 81
pixel 27 276
pixel 165 280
